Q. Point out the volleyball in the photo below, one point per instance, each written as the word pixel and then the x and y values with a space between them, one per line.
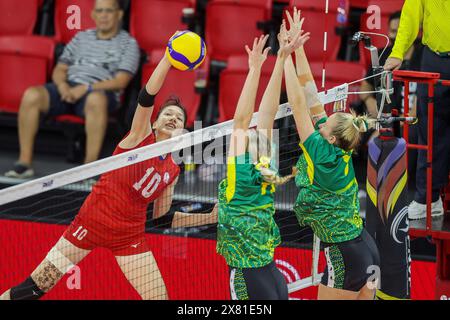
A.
pixel 186 50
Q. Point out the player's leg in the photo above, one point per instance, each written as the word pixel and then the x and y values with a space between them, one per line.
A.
pixel 265 283
pixel 369 290
pixel 351 268
pixel 96 116
pixel 280 283
pixel 142 271
pixel 61 258
pixel 328 293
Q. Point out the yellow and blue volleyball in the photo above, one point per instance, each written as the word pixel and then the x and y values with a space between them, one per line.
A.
pixel 186 50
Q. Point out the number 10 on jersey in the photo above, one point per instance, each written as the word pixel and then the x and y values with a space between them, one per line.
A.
pixel 152 185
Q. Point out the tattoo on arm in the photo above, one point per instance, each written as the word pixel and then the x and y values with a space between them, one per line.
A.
pixel 46 276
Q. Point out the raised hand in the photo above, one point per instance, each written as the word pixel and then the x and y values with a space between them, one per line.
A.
pixel 257 55
pixel 295 23
pixel 78 92
pixel 392 64
pixel 290 44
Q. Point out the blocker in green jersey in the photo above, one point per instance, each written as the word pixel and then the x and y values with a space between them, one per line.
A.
pixel 247 233
pixel 328 191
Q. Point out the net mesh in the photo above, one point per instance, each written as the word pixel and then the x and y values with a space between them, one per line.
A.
pixel 183 263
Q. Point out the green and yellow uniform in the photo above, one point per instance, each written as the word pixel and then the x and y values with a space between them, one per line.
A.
pixel 328 197
pixel 247 234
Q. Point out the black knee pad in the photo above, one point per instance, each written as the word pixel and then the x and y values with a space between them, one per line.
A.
pixel 27 290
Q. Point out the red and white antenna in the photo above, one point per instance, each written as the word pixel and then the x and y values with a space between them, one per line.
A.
pixel 325 42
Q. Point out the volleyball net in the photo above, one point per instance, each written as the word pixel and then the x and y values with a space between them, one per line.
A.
pixel 35 214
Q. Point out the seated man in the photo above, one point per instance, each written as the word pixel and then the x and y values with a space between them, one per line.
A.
pixel 94 68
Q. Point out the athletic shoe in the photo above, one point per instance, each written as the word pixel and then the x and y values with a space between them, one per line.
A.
pixel 419 211
pixel 20 171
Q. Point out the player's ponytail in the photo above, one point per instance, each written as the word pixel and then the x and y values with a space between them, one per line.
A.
pixel 260 149
pixel 272 177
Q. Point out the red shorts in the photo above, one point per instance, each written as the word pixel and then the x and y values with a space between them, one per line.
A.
pixel 88 235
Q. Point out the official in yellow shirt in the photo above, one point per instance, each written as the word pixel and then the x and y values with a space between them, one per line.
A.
pixel 434 16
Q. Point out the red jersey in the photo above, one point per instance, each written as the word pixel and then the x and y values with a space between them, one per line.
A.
pixel 119 200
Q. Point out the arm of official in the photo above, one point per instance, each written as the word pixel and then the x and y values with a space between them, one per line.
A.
pixel 410 21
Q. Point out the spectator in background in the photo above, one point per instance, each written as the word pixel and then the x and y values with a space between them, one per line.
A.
pixel 434 16
pixel 95 67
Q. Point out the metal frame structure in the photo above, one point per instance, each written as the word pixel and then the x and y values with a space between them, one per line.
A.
pixel 441 237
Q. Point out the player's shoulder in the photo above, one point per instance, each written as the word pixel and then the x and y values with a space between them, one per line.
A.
pixel 127 40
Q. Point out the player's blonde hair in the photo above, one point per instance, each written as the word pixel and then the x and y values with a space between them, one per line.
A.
pixel 260 149
pixel 348 129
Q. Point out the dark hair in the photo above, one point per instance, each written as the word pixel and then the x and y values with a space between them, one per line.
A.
pixel 120 4
pixel 173 100
pixel 395 15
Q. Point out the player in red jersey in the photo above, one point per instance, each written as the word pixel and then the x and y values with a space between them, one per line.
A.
pixel 113 216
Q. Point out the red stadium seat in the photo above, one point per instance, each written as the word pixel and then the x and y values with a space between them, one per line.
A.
pixel 62 14
pixel 232 80
pixel 18 17
pixel 315 21
pixel 153 22
pixel 180 83
pixel 388 7
pixel 338 73
pixel 69 118
pixel 359 3
pixel 231 24
pixel 25 61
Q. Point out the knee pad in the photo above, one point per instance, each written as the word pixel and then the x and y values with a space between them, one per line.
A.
pixel 27 290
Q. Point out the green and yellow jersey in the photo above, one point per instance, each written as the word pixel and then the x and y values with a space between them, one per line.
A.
pixel 247 234
pixel 328 197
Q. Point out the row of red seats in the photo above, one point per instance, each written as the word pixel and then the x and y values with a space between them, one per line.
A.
pixel 225 20
pixel 229 25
